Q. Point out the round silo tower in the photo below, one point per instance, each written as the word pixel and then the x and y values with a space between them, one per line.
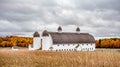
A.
pixel 36 41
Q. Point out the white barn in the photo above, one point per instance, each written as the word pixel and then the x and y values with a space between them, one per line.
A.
pixel 63 41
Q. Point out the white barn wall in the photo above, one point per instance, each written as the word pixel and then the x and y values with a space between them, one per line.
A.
pixel 46 42
pixel 81 47
pixel 36 43
pixel 64 46
pixel 87 47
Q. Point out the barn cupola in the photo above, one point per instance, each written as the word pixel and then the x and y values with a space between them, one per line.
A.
pixel 78 30
pixel 59 29
pixel 36 34
pixel 45 33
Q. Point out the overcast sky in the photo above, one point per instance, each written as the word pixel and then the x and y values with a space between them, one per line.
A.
pixel 98 17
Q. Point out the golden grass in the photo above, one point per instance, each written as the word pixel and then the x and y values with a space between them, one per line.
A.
pixel 59 59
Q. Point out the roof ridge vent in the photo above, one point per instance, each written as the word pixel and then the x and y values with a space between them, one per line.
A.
pixel 77 30
pixel 59 29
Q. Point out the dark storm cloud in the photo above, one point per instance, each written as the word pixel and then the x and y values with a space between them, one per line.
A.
pixel 93 16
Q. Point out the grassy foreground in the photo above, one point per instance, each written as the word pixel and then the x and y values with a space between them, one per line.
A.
pixel 58 59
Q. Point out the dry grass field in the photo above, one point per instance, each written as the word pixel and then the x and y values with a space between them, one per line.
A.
pixel 25 58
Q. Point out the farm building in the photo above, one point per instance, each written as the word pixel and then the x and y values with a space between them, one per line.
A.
pixel 63 41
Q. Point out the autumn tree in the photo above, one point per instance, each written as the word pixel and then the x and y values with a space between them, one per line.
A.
pixel 108 43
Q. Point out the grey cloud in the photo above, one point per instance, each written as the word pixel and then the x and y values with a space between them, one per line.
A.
pixel 96 16
pixel 97 4
pixel 8 26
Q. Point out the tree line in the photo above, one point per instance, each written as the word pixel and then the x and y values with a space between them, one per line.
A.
pixel 10 41
pixel 108 43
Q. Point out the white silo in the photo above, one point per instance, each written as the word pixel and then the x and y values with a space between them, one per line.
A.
pixel 36 41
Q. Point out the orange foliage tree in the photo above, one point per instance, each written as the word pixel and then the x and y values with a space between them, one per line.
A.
pixel 10 41
pixel 108 43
